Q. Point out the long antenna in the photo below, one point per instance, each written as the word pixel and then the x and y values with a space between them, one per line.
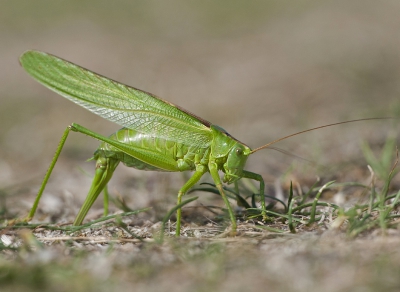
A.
pixel 291 154
pixel 320 127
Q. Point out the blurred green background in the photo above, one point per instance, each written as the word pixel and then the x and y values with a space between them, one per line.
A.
pixel 259 69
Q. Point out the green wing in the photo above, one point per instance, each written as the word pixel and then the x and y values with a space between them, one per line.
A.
pixel 119 103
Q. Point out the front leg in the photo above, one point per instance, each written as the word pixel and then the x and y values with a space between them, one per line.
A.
pixel 257 177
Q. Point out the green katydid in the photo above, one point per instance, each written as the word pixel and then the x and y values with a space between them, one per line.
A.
pixel 156 134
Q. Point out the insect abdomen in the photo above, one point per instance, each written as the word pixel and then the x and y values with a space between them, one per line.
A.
pixel 181 157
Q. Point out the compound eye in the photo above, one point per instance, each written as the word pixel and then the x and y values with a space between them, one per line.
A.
pixel 239 151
